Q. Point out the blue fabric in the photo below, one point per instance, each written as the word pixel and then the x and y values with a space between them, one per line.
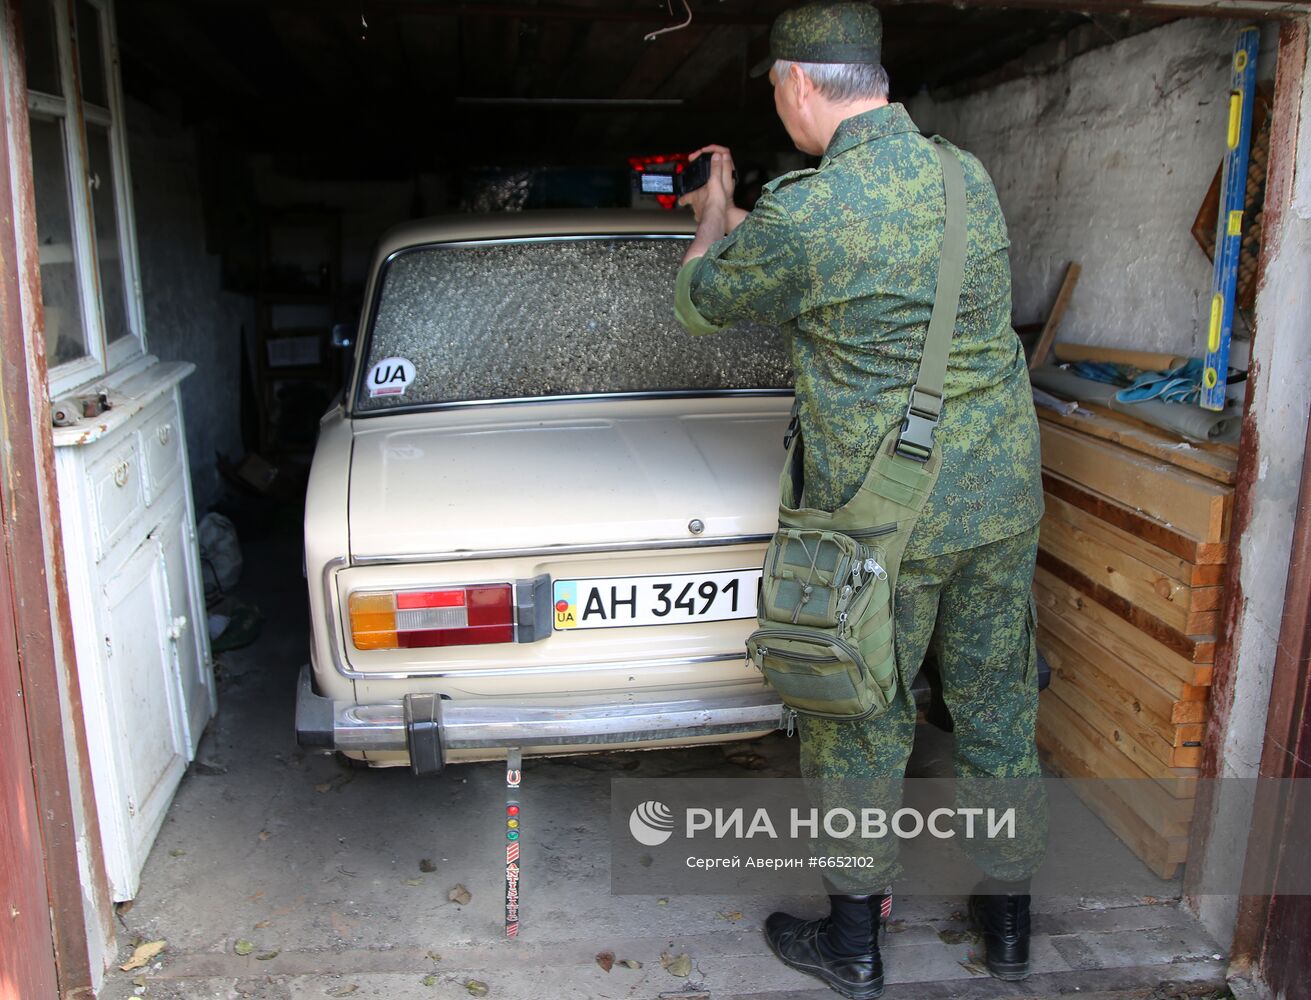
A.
pixel 1178 385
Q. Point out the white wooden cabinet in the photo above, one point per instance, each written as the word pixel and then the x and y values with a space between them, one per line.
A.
pixel 138 607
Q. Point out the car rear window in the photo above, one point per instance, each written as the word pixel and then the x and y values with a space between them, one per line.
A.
pixel 558 317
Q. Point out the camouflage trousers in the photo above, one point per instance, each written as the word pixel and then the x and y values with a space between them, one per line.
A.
pixel 973 611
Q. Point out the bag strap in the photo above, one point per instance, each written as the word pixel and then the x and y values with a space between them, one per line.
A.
pixel 925 407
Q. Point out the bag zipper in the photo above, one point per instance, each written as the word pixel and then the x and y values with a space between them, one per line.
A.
pixel 850 650
pixel 882 529
pixel 763 651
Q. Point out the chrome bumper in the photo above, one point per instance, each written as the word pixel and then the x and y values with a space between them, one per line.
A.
pixel 429 728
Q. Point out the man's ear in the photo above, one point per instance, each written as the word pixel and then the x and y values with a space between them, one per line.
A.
pixel 800 84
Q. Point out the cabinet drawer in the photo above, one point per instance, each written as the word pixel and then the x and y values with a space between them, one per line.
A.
pixel 161 443
pixel 116 486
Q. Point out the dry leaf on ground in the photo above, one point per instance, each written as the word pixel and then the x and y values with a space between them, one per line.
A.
pixel 460 895
pixel 606 960
pixel 749 761
pixel 677 965
pixel 244 947
pixel 142 955
pixel 630 963
pixel 958 937
pixel 973 967
pixel 476 988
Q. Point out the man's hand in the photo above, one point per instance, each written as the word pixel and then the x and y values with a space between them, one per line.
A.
pixel 723 179
pixel 712 203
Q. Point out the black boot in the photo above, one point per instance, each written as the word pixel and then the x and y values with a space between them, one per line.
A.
pixel 842 949
pixel 1003 918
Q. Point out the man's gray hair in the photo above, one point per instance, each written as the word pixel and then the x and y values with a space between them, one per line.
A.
pixel 842 82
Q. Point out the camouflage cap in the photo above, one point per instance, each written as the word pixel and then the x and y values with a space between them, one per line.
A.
pixel 826 32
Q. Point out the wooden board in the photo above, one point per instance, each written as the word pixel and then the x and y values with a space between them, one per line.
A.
pixel 1196 649
pixel 1146 360
pixel 1132 522
pixel 1161 855
pixel 1150 822
pixel 1140 696
pixel 1056 315
pixel 1128 710
pixel 1191 504
pixel 1147 440
pixel 1144 748
pixel 1102 759
pixel 1170 600
pixel 1106 535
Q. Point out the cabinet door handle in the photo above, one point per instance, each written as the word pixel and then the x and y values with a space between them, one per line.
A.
pixel 121 472
pixel 178 626
pixel 165 433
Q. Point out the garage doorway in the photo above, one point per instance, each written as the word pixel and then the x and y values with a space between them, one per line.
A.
pixel 278 140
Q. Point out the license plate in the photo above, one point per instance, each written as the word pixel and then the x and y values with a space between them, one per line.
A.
pixel 675 599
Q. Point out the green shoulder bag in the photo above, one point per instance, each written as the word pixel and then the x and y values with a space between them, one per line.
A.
pixel 825 637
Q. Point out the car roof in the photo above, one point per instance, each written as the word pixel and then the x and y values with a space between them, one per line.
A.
pixel 535 224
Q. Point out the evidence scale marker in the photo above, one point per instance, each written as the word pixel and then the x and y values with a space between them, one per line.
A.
pixel 513 776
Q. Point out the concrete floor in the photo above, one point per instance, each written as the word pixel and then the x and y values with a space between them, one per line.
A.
pixel 320 868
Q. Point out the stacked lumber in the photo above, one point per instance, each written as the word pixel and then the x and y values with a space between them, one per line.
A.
pixel 1128 589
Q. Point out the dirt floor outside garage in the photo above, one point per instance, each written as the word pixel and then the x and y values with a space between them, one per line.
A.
pixel 281 874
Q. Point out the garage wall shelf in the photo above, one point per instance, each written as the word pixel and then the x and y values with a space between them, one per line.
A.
pixel 300 297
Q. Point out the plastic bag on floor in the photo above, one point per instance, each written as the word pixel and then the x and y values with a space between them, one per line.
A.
pixel 220 554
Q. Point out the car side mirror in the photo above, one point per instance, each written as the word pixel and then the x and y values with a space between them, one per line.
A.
pixel 343 335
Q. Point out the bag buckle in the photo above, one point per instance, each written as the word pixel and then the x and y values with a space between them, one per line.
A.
pixel 916 440
pixel 794 425
pixel 918 427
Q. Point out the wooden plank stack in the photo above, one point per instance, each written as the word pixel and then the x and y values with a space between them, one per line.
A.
pixel 1128 589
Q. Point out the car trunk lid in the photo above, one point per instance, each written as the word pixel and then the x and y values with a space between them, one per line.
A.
pixel 579 473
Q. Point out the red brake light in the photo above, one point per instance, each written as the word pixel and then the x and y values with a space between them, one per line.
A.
pixel 414 619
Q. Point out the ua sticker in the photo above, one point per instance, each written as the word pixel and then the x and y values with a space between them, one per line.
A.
pixel 566 604
pixel 390 377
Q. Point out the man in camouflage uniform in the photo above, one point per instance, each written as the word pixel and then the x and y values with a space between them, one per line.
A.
pixel 844 257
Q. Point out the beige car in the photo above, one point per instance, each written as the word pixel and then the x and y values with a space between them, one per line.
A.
pixel 537 518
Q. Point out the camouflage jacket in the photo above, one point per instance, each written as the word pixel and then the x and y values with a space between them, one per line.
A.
pixel 844 258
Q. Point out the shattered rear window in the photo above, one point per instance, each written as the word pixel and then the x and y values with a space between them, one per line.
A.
pixel 558 317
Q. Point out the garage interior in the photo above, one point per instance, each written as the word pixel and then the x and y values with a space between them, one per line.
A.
pixel 271 143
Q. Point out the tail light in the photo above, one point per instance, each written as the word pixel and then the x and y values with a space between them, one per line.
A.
pixel 416 619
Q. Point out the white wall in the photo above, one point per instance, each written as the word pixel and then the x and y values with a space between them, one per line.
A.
pixel 1105 161
pixel 1279 400
pixel 188 317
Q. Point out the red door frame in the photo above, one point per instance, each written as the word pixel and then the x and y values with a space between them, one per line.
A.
pixel 1273 934
pixel 48 799
pixel 27 948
